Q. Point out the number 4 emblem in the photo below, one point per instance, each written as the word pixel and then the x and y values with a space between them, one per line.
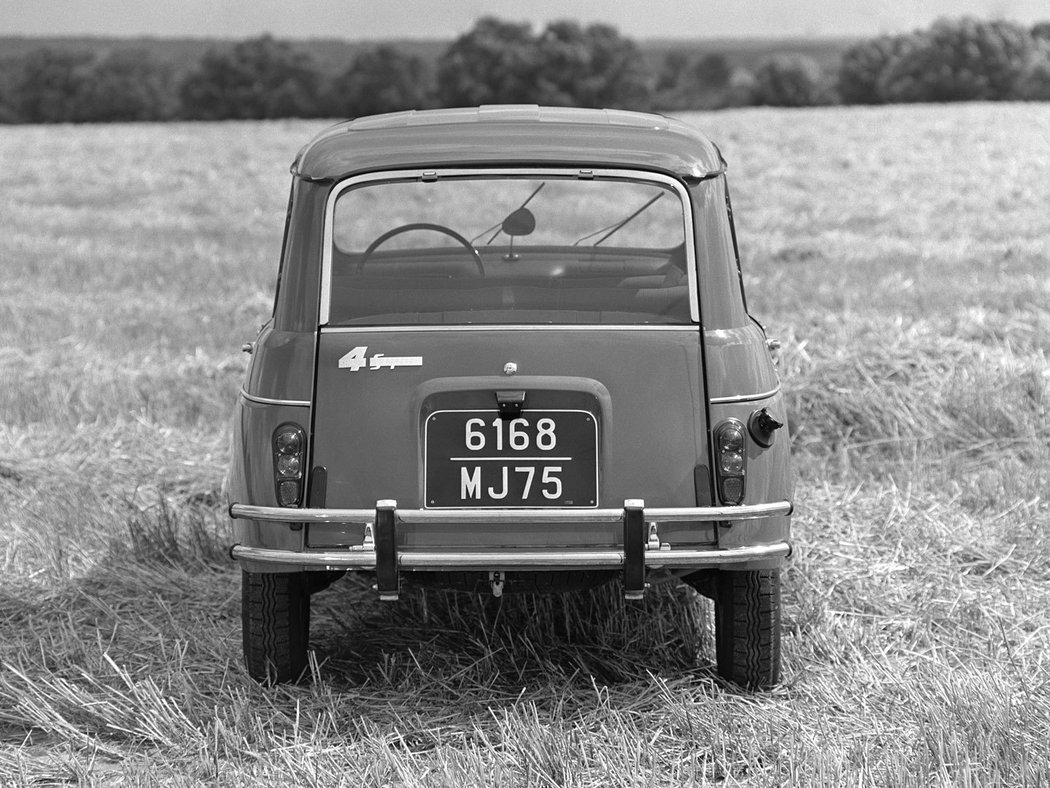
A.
pixel 355 360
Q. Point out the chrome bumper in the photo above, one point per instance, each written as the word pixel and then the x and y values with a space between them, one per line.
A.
pixel 365 558
pixel 641 543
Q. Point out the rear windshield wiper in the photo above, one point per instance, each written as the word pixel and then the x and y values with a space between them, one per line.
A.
pixel 498 226
pixel 615 228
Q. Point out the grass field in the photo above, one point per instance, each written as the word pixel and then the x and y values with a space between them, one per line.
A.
pixel 901 254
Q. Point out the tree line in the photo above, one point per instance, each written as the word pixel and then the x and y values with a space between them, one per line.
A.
pixel 564 64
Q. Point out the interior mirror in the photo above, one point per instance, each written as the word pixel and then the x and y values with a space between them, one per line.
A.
pixel 520 222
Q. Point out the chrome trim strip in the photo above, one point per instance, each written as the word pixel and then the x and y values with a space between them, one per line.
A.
pixel 354 330
pixel 329 559
pixel 268 401
pixel 513 558
pixel 703 514
pixel 728 555
pixel 481 172
pixel 693 329
pixel 278 514
pixel 745 397
pixel 481 516
pixel 709 514
pixel 356 558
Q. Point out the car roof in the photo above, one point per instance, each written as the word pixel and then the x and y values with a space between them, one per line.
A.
pixel 510 135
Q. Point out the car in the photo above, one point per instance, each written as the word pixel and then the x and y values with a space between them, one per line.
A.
pixel 510 352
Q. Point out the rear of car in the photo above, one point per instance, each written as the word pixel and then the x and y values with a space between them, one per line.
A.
pixel 510 352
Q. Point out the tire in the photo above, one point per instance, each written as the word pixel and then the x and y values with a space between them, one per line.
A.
pixel 275 625
pixel 747 627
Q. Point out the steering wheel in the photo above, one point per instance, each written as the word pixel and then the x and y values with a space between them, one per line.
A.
pixel 438 228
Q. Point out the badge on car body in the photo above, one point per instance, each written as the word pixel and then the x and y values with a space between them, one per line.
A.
pixel 356 359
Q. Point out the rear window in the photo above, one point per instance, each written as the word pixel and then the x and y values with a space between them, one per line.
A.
pixel 509 249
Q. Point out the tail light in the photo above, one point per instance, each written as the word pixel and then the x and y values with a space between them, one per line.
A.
pixel 731 461
pixel 289 452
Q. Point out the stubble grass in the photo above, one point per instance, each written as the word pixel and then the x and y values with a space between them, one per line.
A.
pixel 902 255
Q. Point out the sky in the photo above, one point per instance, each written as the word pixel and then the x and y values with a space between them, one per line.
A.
pixel 444 19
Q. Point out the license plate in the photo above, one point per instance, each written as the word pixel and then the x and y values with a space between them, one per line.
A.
pixel 475 458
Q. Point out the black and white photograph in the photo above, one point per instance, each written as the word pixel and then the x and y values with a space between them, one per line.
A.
pixel 551 394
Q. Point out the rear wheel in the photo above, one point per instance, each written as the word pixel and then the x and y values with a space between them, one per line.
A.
pixel 275 625
pixel 747 627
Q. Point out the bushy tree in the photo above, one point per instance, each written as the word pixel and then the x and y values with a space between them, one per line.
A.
pixel 740 92
pixel 683 83
pixel 713 71
pixel 590 67
pixel 1034 84
pixel 379 80
pixel 499 62
pixel 48 85
pixel 1041 31
pixel 493 63
pixel 673 88
pixel 960 60
pixel 9 70
pixel 258 78
pixel 126 85
pixel 864 66
pixel 672 70
pixel 790 81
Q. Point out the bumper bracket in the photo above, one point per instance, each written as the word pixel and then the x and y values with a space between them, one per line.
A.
pixel 633 549
pixel 388 580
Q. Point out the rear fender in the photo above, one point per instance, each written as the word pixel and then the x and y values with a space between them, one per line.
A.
pixel 769 478
pixel 252 476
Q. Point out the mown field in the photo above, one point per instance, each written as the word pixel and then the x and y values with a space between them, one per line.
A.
pixel 902 255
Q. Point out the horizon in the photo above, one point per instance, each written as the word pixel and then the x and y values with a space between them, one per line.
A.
pixel 733 39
